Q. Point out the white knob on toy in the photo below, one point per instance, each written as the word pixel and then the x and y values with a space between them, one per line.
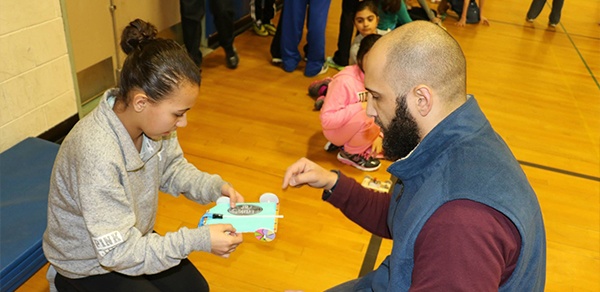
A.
pixel 223 200
pixel 269 198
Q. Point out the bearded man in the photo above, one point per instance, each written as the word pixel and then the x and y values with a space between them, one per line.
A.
pixel 462 215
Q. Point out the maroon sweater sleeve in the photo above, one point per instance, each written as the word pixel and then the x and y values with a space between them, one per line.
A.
pixel 465 246
pixel 365 207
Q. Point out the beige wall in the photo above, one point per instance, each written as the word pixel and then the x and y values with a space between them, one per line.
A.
pixel 37 90
pixel 36 83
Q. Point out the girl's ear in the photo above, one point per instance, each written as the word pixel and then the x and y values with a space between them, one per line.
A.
pixel 140 101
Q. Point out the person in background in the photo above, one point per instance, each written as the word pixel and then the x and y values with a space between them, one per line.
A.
pixel 536 8
pixel 104 186
pixel 467 11
pixel 343 117
pixel 423 12
pixel 341 56
pixel 392 13
pixel 262 13
pixel 462 215
pixel 192 12
pixel 366 19
pixel 294 13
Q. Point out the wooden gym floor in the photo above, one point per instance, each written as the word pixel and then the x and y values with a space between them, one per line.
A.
pixel 538 87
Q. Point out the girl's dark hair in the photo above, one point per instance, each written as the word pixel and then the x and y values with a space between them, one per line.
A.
pixel 389 6
pixel 365 45
pixel 155 65
pixel 367 4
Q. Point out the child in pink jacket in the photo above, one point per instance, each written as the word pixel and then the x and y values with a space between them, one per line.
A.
pixel 344 119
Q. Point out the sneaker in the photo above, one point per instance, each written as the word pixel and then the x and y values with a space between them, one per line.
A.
pixel 319 103
pixel 323 71
pixel 552 24
pixel 329 61
pixel 270 28
pixel 260 30
pixel 359 161
pixel 318 87
pixel 232 59
pixel 330 147
pixel 529 19
pixel 276 62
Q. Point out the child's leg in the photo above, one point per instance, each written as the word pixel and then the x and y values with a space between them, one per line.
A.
pixel 255 12
pixel 556 11
pixel 276 41
pixel 457 6
pixel 106 282
pixel 442 8
pixel 183 277
pixel 293 23
pixel 535 9
pixel 357 151
pixel 317 21
pixel 364 138
pixel 268 12
pixel 356 136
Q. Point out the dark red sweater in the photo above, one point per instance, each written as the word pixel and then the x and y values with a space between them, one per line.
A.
pixel 463 246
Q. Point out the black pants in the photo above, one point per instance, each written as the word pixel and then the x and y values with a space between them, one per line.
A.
pixel 192 12
pixel 342 55
pixel 262 11
pixel 184 277
pixel 276 41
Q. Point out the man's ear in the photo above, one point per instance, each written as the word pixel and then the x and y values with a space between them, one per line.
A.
pixel 140 101
pixel 424 100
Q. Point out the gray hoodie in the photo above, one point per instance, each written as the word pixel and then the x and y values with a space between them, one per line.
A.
pixel 104 196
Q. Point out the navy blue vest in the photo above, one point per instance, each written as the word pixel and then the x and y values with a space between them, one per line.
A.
pixel 461 158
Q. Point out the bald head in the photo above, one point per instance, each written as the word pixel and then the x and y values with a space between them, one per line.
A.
pixel 421 52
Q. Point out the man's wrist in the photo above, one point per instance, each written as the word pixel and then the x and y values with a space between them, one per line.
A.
pixel 327 192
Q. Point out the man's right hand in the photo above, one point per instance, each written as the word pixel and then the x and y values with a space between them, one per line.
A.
pixel 306 172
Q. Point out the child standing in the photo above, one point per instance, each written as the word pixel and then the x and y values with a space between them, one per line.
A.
pixel 293 16
pixel 344 119
pixel 104 186
pixel 262 12
pixel 536 8
pixel 366 20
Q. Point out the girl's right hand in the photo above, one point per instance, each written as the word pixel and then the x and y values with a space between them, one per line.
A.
pixel 223 239
pixel 377 146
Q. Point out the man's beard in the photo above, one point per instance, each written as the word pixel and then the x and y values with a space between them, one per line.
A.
pixel 402 136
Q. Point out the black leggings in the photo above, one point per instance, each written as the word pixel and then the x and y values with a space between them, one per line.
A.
pixel 184 277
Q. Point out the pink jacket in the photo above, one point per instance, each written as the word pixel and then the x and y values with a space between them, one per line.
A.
pixel 343 118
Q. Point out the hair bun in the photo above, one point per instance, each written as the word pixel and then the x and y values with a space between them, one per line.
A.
pixel 136 34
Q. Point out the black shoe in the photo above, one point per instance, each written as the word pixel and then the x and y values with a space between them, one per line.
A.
pixel 197 58
pixel 330 147
pixel 232 60
pixel 363 161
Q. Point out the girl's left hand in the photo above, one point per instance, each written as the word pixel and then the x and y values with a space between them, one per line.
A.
pixel 234 197
pixel 462 22
pixel 484 21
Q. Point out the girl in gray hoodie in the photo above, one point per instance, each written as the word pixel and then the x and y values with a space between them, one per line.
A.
pixel 104 186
